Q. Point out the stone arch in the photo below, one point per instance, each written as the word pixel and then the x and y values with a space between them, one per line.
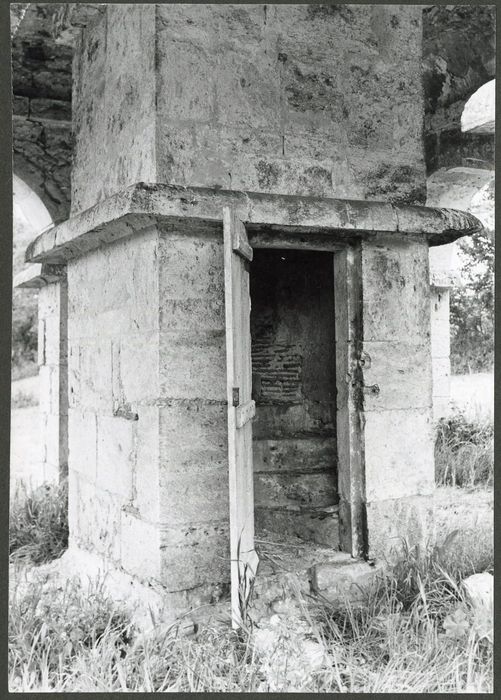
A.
pixel 44 166
pixel 30 217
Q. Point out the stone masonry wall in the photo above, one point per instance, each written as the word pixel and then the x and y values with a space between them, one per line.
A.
pixel 113 413
pixel 398 430
pixel 292 99
pixel 41 105
pixel 294 450
pixel 53 374
pixel 194 502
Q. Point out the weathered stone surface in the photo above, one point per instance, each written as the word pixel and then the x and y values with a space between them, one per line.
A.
pixel 395 283
pixel 139 546
pixel 115 455
pixel 142 206
pixel 390 522
pixel 98 518
pixel 127 306
pixel 194 494
pixel 346 583
pixel 281 455
pixel 459 56
pixel 289 72
pixel 396 375
pixel 83 443
pixel 295 490
pixel 194 555
pixel 399 453
pixel 311 525
pixel 113 102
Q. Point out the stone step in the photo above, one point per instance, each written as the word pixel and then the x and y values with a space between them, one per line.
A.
pixel 339 580
pixel 348 581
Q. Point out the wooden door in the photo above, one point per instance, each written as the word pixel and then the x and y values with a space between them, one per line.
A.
pixel 241 410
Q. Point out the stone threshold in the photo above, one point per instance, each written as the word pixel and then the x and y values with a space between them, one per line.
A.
pixel 142 205
pixel 317 573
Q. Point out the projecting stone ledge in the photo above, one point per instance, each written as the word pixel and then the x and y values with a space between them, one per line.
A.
pixel 142 205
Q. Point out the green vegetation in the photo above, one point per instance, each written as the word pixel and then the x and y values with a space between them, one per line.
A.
pixel 415 633
pixel 38 526
pixel 472 308
pixel 464 452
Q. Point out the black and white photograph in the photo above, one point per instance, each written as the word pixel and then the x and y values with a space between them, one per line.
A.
pixel 252 348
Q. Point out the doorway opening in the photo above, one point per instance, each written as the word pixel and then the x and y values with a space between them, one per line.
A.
pixel 292 328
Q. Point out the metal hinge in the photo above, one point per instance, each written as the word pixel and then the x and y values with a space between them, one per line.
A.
pixel 236 396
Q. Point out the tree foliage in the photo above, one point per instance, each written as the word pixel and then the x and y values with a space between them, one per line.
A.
pixel 472 307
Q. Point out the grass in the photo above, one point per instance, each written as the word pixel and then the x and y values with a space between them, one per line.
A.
pixel 464 451
pixel 414 634
pixel 38 525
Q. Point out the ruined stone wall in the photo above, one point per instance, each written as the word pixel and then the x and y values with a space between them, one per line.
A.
pixel 292 329
pixel 295 99
pixel 41 84
pixel 459 56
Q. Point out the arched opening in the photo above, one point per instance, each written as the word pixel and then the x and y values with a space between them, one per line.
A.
pixel 30 217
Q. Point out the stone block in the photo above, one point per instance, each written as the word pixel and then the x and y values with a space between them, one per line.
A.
pixel 194 555
pixel 346 582
pixel 204 314
pixel 147 492
pixel 95 388
pixel 190 268
pixel 440 339
pixel 41 342
pixel 195 494
pixel 193 434
pixel 52 439
pixel 43 108
pixel 295 490
pixel 53 339
pixel 294 421
pixel 20 105
pixel 281 455
pixel 399 458
pixel 114 290
pixel 73 501
pixel 140 546
pixel 395 291
pixel 192 365
pixel 391 522
pixel 136 368
pixel 98 521
pixel 186 73
pixel 46 386
pixel 73 375
pixel 115 455
pixel 396 375
pixel 82 444
pixel 310 525
pixel 441 377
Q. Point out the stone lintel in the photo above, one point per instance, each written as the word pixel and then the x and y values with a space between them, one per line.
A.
pixel 142 205
pixel 38 275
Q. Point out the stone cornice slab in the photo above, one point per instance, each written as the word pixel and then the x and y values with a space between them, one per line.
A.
pixel 38 275
pixel 142 205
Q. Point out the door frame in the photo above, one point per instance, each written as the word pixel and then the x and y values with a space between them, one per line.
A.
pixel 348 354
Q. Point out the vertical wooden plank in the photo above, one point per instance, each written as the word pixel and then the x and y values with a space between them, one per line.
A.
pixel 237 255
pixel 349 414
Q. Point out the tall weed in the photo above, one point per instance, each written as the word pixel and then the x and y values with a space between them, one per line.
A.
pixel 38 526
